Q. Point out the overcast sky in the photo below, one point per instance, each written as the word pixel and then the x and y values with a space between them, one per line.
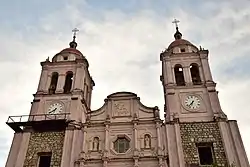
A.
pixel 122 40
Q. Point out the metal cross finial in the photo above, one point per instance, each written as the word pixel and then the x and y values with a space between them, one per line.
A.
pixel 75 30
pixel 176 22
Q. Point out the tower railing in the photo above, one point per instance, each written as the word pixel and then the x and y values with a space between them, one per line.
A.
pixel 18 123
pixel 37 117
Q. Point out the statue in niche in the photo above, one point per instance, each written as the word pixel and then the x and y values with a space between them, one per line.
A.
pixel 147 141
pixel 95 144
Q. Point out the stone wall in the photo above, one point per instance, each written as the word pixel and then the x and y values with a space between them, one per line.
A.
pixel 195 133
pixel 45 142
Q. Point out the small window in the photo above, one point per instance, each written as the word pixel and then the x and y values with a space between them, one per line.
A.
pixel 205 151
pixel 65 58
pixel 121 145
pixel 183 50
pixel 44 159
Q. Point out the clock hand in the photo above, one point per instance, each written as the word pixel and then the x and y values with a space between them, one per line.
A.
pixel 52 110
pixel 191 103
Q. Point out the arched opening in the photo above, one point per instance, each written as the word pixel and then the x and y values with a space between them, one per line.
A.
pixel 195 74
pixel 68 82
pixel 179 77
pixel 53 83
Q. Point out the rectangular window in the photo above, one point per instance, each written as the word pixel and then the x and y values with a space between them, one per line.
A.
pixel 182 50
pixel 44 159
pixel 205 151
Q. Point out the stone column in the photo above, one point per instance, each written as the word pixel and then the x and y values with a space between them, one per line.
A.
pixel 239 147
pixel 187 75
pixel 179 145
pixel 84 139
pixel 47 84
pixel 75 147
pixel 135 136
pixel 205 65
pixel 228 143
pixel 106 137
pixel 159 144
pixel 158 138
pixel 60 83
pixel 201 74
pixel 168 73
pixel 106 145
pixel 214 100
pixel 23 149
pixel 14 150
pixel 172 146
pixel 79 78
pixel 136 156
pixel 83 148
pixel 67 147
pixel 42 83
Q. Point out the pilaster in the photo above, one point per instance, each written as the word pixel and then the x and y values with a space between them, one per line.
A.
pixel 205 65
pixel 187 75
pixel 67 148
pixel 47 84
pixel 23 149
pixel 79 78
pixel 172 146
pixel 105 156
pixel 43 79
pixel 228 143
pixel 14 150
pixel 239 147
pixel 179 144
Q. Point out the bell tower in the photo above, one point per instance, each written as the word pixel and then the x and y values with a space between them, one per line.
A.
pixel 198 133
pixel 189 89
pixel 51 134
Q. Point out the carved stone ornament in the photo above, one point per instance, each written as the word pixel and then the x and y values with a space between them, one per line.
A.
pixel 120 109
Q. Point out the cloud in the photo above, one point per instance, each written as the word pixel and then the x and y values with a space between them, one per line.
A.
pixel 123 49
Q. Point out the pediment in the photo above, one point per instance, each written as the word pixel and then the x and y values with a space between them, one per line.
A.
pixel 123 107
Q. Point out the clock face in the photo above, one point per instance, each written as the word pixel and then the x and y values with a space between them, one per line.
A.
pixel 192 102
pixel 55 108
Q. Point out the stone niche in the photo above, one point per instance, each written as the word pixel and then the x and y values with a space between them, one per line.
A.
pixel 41 142
pixel 199 133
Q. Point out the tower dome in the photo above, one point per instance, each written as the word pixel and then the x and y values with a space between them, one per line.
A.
pixel 180 45
pixel 70 53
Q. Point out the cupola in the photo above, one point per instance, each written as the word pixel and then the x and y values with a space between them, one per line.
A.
pixel 70 53
pixel 180 45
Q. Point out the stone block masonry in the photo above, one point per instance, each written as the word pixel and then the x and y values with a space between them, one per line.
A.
pixel 193 134
pixel 42 142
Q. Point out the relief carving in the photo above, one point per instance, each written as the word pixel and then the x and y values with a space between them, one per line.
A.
pixel 121 109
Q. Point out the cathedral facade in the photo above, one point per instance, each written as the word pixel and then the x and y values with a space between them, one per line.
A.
pixel 61 130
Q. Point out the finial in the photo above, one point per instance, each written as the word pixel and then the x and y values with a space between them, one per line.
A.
pixel 73 44
pixel 177 34
pixel 176 23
